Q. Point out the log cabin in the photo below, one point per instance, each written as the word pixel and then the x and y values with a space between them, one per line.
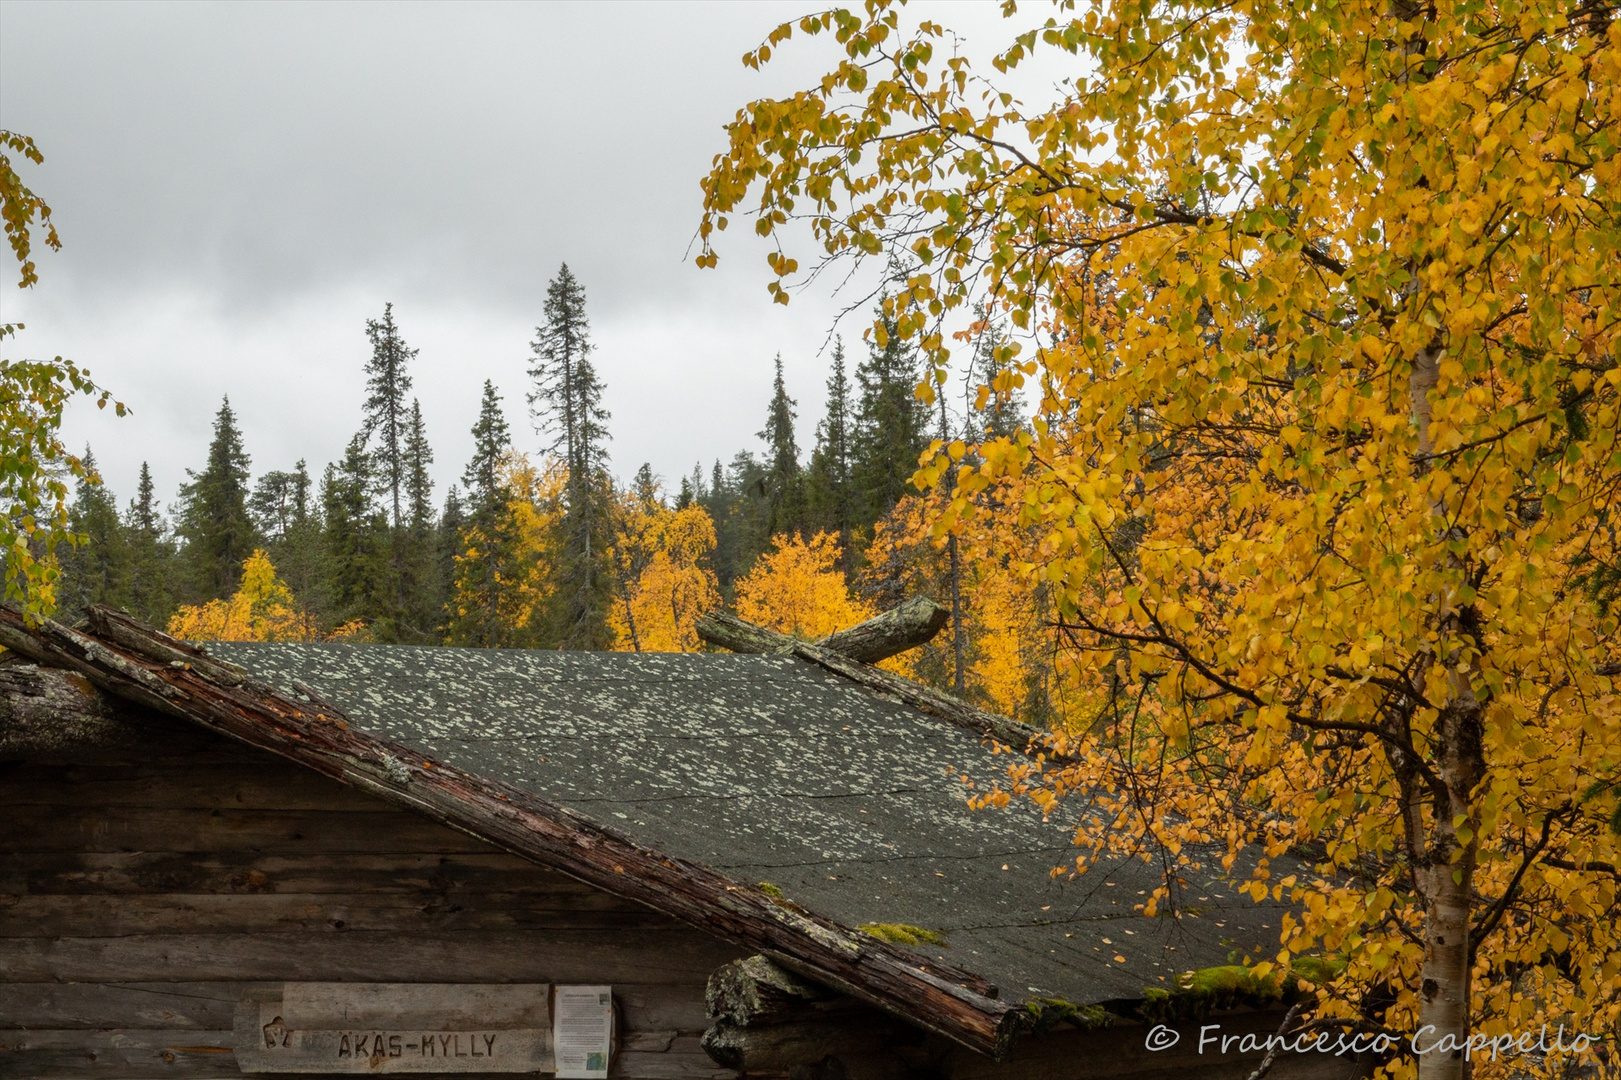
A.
pixel 259 859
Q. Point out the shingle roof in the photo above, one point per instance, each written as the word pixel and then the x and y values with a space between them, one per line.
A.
pixel 770 769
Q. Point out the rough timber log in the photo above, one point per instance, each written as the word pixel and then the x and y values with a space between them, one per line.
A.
pixel 896 630
pixel 47 714
pixel 142 667
pixel 730 632
pixel 764 1019
pixel 901 628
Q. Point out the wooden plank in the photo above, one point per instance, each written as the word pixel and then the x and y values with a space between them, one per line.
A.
pixel 127 1055
pixel 267 784
pixel 138 872
pixel 490 1005
pixel 207 1055
pixel 69 828
pixel 314 913
pixel 125 1005
pixel 611 956
pixel 652 1007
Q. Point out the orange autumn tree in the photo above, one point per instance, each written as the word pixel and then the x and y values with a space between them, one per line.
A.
pixel 1008 654
pixel 1325 467
pixel 262 609
pixel 666 582
pixel 797 588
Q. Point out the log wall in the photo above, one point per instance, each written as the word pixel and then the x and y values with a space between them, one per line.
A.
pixel 144 895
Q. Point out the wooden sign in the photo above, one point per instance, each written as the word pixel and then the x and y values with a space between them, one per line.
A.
pixel 397 1028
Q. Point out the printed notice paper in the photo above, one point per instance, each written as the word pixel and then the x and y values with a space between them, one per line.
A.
pixel 582 1030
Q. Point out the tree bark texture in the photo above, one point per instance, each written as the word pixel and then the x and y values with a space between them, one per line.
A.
pixel 1443 867
pixel 895 631
pixel 901 628
pixel 952 1003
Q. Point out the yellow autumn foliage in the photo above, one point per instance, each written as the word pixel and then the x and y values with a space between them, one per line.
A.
pixel 668 583
pixel 262 609
pixel 797 588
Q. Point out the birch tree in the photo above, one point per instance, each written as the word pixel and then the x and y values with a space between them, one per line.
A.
pixel 1323 301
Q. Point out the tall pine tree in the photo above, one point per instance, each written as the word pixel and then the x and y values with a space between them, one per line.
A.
pixel 214 522
pixel 891 425
pixel 151 555
pixel 566 404
pixel 300 556
pixel 447 544
pixel 489 541
pixel 388 420
pixel 419 612
pixel 831 492
pixel 356 556
pixel 784 482
pixel 273 505
pixel 95 569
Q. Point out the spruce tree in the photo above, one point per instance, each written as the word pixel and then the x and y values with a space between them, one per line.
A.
pixel 388 384
pixel 214 520
pixel 489 542
pixel 646 486
pixel 491 442
pixel 356 563
pixel 151 556
pixel 785 489
pixel 739 505
pixel 300 557
pixel 418 484
pixel 566 404
pixel 95 568
pixel 831 494
pixel 418 569
pixel 891 426
pixel 446 546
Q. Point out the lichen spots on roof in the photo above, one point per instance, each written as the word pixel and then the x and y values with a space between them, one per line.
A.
pixel 769 768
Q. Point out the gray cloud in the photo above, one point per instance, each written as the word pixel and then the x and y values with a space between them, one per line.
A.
pixel 240 186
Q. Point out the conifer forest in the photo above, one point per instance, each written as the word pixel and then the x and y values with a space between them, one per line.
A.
pixel 540 546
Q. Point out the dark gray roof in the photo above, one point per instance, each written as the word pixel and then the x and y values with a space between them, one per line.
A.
pixel 770 769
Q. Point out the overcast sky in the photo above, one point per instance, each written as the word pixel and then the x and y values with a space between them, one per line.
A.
pixel 240 186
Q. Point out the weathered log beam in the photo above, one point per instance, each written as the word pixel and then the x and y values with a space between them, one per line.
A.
pixel 764 1019
pixel 730 632
pixel 46 712
pixel 901 628
pixel 933 997
pixel 895 631
pixel 735 635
